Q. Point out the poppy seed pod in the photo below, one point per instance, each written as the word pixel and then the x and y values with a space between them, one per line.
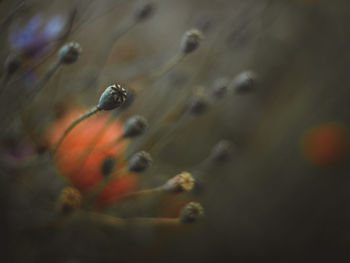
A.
pixel 190 41
pixel 191 212
pixel 69 53
pixel 179 183
pixel 197 104
pixel 221 151
pixel 244 82
pixel 134 126
pixel 219 88
pixel 113 97
pixel 144 10
pixel 139 162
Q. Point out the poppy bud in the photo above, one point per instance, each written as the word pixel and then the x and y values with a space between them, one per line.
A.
pixel 69 53
pixel 190 41
pixel 139 162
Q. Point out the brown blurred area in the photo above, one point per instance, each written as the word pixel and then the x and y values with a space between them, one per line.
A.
pixel 269 203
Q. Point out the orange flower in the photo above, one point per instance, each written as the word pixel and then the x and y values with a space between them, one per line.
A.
pixel 80 156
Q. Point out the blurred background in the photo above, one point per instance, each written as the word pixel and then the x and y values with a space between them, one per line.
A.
pixel 283 194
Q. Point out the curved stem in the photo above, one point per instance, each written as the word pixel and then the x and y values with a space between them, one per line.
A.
pixel 73 124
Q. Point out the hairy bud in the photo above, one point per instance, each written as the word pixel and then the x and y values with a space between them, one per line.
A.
pixel 139 162
pixel 135 126
pixel 69 53
pixel 190 41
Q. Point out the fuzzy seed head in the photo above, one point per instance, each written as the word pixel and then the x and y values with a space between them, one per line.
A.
pixel 191 213
pixel 144 10
pixel 182 182
pixel 69 53
pixel 244 82
pixel 139 162
pixel 113 97
pixel 70 199
pixel 190 41
pixel 135 126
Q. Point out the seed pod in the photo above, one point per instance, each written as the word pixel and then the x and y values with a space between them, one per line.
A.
pixel 190 41
pixel 191 212
pixel 69 53
pixel 113 97
pixel 135 126
pixel 139 162
pixel 129 99
pixel 143 10
pixel 70 200
pixel 244 82
pixel 219 88
pixel 221 152
pixel 108 165
pixel 179 183
pixel 197 104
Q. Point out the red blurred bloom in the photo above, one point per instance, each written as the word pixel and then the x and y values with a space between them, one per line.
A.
pixel 81 165
pixel 326 144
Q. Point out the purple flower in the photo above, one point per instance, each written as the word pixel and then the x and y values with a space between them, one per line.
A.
pixel 33 39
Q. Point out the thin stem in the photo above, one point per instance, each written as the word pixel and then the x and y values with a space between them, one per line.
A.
pixel 167 66
pixel 120 222
pixel 91 112
pixel 142 193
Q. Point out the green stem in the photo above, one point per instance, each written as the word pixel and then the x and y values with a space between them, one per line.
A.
pixel 91 112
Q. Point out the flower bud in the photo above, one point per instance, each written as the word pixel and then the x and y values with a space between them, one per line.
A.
pixel 197 104
pixel 221 151
pixel 139 162
pixel 113 97
pixel 191 212
pixel 190 41
pixel 144 10
pixel 70 199
pixel 108 165
pixel 179 183
pixel 69 53
pixel 135 126
pixel 244 82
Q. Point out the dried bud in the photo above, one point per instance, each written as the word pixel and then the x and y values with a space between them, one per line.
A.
pixel 144 10
pixel 219 88
pixel 179 183
pixel 70 199
pixel 69 53
pixel 108 165
pixel 244 82
pixel 221 151
pixel 113 97
pixel 197 104
pixel 190 41
pixel 191 212
pixel 135 126
pixel 12 63
pixel 139 162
